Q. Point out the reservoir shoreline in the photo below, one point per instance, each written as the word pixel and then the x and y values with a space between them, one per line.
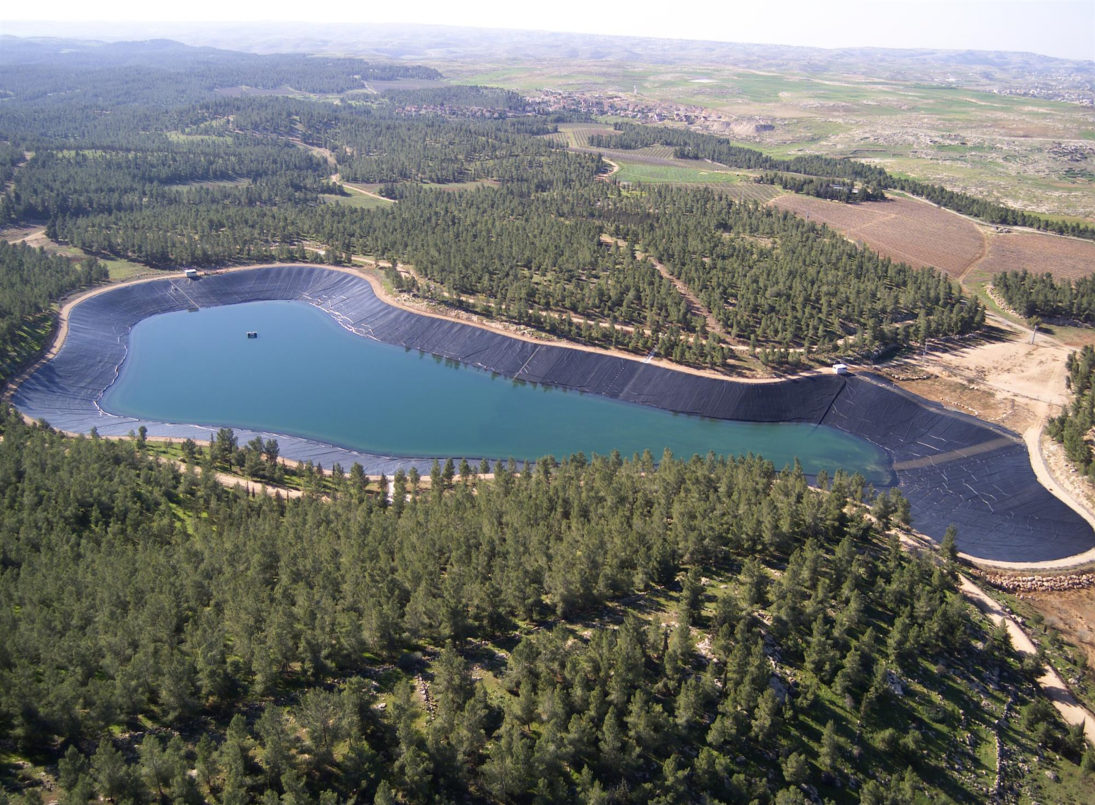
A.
pixel 952 468
pixel 366 395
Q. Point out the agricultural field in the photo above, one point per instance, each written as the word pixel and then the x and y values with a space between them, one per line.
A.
pixel 657 155
pixel 904 229
pixel 752 191
pixel 576 135
pixel 672 174
pixel 1064 258
pixel 922 234
pixel 1071 612
pixel 657 164
pixel 1030 153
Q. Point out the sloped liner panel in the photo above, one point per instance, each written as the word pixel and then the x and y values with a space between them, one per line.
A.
pixel 953 469
pixel 957 470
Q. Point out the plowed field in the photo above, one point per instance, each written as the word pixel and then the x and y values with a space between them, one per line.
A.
pixel 903 229
pixel 1065 258
pixel 921 234
pixel 914 232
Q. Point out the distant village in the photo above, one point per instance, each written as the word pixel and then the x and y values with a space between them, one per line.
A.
pixel 629 106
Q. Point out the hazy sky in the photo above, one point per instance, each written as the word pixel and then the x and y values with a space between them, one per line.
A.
pixel 1063 28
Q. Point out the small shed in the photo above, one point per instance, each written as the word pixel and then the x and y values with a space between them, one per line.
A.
pixel 840 368
pixel 191 273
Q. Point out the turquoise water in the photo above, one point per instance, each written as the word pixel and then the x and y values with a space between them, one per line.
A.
pixel 305 375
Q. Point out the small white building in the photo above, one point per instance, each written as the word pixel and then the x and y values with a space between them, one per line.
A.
pixel 840 368
pixel 191 273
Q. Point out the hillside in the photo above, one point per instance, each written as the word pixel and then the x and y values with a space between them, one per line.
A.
pixel 589 628
pixel 598 629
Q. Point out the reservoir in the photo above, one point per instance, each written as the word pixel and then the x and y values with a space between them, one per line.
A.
pixel 304 375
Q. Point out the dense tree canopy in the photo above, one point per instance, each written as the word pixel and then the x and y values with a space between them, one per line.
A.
pixel 1073 428
pixel 827 187
pixel 162 72
pixel 1042 295
pixel 542 243
pixel 245 645
pixel 202 179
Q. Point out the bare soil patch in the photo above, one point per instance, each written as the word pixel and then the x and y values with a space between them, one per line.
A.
pixel 378 85
pixel 1071 612
pixel 1071 710
pixel 1032 372
pixel 1000 378
pixel 31 235
pixel 959 395
pixel 903 229
pixel 1064 258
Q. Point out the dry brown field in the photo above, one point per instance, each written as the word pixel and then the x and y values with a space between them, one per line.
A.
pixel 1065 258
pixel 1073 613
pixel 914 232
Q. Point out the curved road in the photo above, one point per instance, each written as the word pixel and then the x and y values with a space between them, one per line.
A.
pixel 1051 683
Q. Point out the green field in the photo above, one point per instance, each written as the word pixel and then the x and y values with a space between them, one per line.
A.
pixel 124 269
pixel 672 174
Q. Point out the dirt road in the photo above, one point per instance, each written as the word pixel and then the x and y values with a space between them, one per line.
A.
pixel 1051 683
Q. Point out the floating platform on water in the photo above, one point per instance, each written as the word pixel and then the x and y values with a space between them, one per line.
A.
pixel 252 334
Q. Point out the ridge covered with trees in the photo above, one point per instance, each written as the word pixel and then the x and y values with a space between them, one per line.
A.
pixel 1043 296
pixel 455 642
pixel 1073 428
pixel 540 242
pixel 66 72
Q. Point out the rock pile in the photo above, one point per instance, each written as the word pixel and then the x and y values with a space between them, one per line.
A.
pixel 1040 584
